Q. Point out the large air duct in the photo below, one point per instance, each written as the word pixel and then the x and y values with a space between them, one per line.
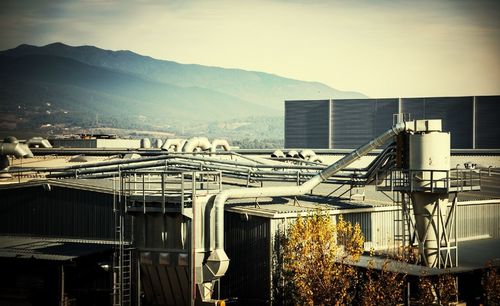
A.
pixel 12 147
pixel 156 143
pixel 38 142
pixel 196 142
pixel 176 143
pixel 220 143
pixel 278 154
pixel 145 143
pixel 292 154
pixel 218 262
pixel 307 154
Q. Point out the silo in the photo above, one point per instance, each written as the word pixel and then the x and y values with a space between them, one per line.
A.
pixel 429 161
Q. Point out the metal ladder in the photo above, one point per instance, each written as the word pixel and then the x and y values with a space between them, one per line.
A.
pixel 122 255
pixel 402 224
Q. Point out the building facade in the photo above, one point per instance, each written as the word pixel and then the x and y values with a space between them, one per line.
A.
pixel 348 123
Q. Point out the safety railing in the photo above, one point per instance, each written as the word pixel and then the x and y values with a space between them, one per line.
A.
pixel 168 186
pixel 465 179
pixel 429 180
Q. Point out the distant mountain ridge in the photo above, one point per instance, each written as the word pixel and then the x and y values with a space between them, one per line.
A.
pixel 87 79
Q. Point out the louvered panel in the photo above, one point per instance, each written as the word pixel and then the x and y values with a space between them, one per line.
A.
pixel 456 113
pixel 487 122
pixel 415 107
pixel 352 122
pixel 306 124
pixel 384 111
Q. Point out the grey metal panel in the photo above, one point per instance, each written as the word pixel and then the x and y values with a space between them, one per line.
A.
pixel 61 212
pixel 487 127
pixel 478 220
pixel 384 111
pixel 415 107
pixel 456 113
pixel 247 245
pixel 307 124
pixel 352 122
pixel 356 121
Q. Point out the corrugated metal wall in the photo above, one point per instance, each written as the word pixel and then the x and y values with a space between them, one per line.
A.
pixel 307 124
pixel 377 227
pixel 357 121
pixel 456 113
pixel 61 212
pixel 478 219
pixel 487 125
pixel 247 245
pixel 247 242
pixel 352 122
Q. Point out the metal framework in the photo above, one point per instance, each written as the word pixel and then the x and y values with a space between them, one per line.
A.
pixel 152 192
pixel 400 183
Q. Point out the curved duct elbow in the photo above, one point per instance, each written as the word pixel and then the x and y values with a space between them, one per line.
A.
pixel 278 154
pixel 145 143
pixel 173 144
pixel 38 142
pixel 196 142
pixel 220 143
pixel 12 146
pixel 292 153
pixel 156 143
pixel 307 154
pixel 181 145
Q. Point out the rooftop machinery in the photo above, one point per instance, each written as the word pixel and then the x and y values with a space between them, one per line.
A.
pixel 170 224
pixel 423 182
pixel 178 225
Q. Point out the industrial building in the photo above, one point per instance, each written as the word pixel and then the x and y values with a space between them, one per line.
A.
pixel 191 224
pixel 348 123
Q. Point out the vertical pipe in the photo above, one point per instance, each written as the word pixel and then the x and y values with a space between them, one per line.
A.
pixel 61 300
pixel 138 287
pixel 330 134
pixel 163 192
pixel 218 262
pixel 400 109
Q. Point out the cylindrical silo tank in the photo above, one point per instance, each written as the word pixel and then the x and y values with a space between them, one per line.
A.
pixel 429 151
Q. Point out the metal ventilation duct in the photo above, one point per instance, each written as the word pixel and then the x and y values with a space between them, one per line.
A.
pixel 218 262
pixel 220 143
pixel 197 142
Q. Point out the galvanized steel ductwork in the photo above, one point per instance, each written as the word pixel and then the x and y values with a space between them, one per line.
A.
pixel 220 143
pixel 177 143
pixel 38 142
pixel 278 154
pixel 218 262
pixel 197 142
pixel 12 146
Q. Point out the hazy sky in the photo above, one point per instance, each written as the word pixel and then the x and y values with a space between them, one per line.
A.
pixel 380 48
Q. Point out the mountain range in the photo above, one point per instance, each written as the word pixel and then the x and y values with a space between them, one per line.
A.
pixel 61 83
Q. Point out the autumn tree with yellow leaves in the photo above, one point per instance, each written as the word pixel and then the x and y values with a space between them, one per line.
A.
pixel 316 253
